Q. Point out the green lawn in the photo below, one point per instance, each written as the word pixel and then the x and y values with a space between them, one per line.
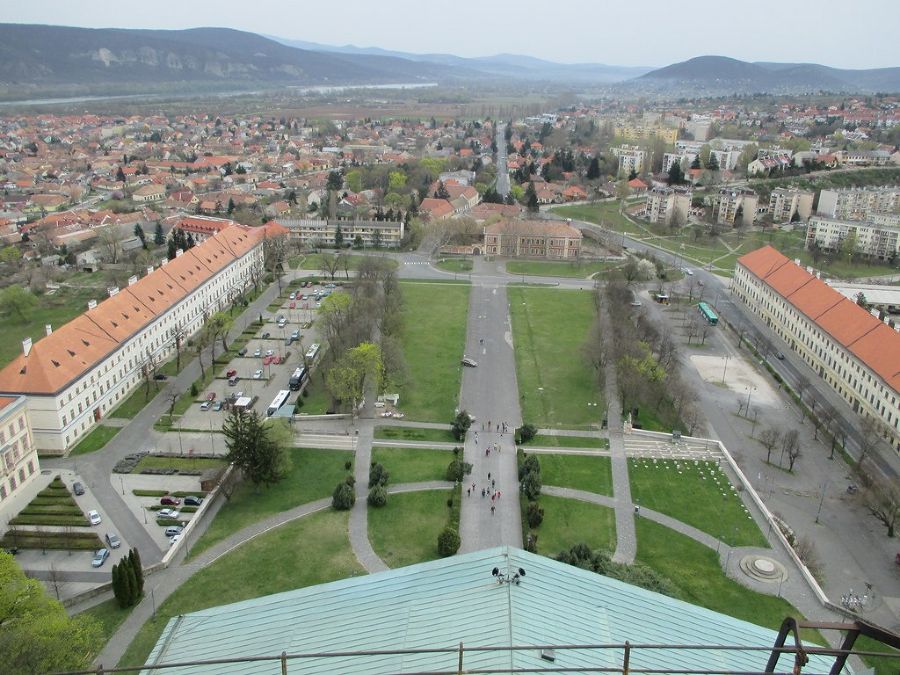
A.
pixel 539 268
pixel 319 400
pixel 413 465
pixel 414 434
pixel 434 332
pixel 95 440
pixel 695 570
pixel 461 265
pixel 110 616
pixel 181 463
pixel 313 475
pixel 549 441
pixel 556 385
pixel 55 309
pixel 405 531
pixel 132 405
pixel 700 495
pixel 602 213
pixel 306 552
pixel 568 522
pixel 314 262
pixel 580 472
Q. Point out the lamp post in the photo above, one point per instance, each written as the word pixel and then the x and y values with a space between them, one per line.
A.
pixel 750 390
pixel 725 367
pixel 821 499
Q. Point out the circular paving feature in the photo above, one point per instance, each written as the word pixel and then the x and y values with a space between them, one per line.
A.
pixel 763 569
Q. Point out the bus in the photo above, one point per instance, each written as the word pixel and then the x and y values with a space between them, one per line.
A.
pixel 279 401
pixel 297 378
pixel 312 351
pixel 707 313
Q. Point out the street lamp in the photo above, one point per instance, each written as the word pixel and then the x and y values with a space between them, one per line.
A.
pixel 725 367
pixel 750 391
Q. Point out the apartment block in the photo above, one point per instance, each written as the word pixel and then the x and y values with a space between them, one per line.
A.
pixel 735 207
pixel 786 204
pixel 684 158
pixel 851 350
pixel 318 231
pixel 667 206
pixel 631 158
pixel 641 132
pixel 859 203
pixel 80 372
pixel 876 241
pixel 18 454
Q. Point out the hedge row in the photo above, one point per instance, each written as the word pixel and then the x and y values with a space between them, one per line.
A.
pixel 50 509
pixel 61 521
pixel 49 541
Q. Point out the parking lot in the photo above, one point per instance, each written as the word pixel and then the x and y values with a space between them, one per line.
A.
pixel 266 365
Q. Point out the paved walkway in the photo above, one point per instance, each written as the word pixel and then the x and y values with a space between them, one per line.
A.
pixel 359 514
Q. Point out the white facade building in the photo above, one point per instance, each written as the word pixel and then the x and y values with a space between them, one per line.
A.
pixel 631 158
pixel 859 203
pixel 876 241
pixel 18 455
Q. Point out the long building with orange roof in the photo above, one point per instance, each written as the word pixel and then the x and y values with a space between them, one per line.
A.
pixel 80 371
pixel 853 351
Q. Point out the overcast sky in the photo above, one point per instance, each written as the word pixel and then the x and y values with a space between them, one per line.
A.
pixel 859 34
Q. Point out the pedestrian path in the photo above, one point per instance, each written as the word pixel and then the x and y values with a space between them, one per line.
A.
pixel 359 514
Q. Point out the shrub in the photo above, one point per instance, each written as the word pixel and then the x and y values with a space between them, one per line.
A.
pixel 457 470
pixel 348 464
pixel 377 475
pixel 530 476
pixel 448 542
pixel 377 496
pixel 461 424
pixel 525 433
pixel 344 497
pixel 531 543
pixel 194 391
pixel 534 514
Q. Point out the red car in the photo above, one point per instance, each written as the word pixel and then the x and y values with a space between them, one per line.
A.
pixel 293 305
pixel 170 501
pixel 211 396
pixel 231 373
pixel 267 360
pixel 276 359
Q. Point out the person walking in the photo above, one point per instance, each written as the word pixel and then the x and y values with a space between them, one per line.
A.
pixel 492 509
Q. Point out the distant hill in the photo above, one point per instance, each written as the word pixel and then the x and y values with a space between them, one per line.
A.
pixel 33 54
pixel 720 74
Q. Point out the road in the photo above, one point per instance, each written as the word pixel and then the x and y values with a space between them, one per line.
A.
pixel 791 369
pixel 502 170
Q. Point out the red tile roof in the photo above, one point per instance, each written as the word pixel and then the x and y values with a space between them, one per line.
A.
pixel 872 342
pixel 58 359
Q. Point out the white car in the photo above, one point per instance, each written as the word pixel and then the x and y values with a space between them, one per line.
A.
pixel 270 352
pixel 168 513
pixel 257 375
pixel 94 517
pixel 174 540
pixel 258 352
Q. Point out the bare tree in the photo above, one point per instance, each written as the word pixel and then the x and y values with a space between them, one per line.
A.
pixel 802 386
pixel 172 397
pixel 330 263
pixel 769 437
pixel 883 502
pixel 109 239
pixel 793 454
pixel 790 443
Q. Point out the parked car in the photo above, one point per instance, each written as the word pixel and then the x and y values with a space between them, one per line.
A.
pixel 231 373
pixel 257 374
pixel 233 380
pixel 168 513
pixel 280 317
pixel 206 405
pixel 293 305
pixel 242 351
pixel 270 352
pixel 266 335
pixel 191 500
pixel 211 396
pixel 282 323
pixel 170 501
pixel 295 335
pixel 471 363
pixel 100 557
pixel 218 405
pixel 173 530
pixel 112 539
pixel 779 356
pixel 635 303
pixel 258 352
pixel 174 539
pixel 293 295
pixel 267 360
pixel 78 488
pixel 94 517
pixel 276 360
pixel 159 376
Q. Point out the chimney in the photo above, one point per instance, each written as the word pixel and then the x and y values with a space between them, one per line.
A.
pixel 132 280
pixel 26 346
pixel 113 291
pixel 178 252
pixel 91 304
pixel 150 269
pixel 48 328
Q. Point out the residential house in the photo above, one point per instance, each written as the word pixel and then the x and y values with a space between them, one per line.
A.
pixel 532 239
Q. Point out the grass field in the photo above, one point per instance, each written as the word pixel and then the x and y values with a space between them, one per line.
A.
pixel 414 434
pixel 556 386
pixel 697 494
pixel 319 400
pixel 550 441
pixel 181 463
pixel 132 405
pixel 413 465
pixel 314 262
pixel 695 570
pixel 55 309
pixel 309 551
pixel 313 475
pixel 95 440
pixel 405 531
pixel 568 522
pixel 461 265
pixel 575 270
pixel 580 472
pixel 434 331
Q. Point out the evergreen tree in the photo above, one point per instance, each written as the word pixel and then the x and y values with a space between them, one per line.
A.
pixel 158 236
pixel 676 175
pixel 712 163
pixel 135 557
pixel 696 163
pixel 120 175
pixel 117 585
pixel 230 208
pixel 593 172
pixel 531 200
pixel 338 237
pixel 139 233
pixel 189 241
pixel 127 581
pixel 170 254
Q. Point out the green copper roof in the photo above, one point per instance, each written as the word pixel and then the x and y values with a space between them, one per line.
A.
pixel 445 602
